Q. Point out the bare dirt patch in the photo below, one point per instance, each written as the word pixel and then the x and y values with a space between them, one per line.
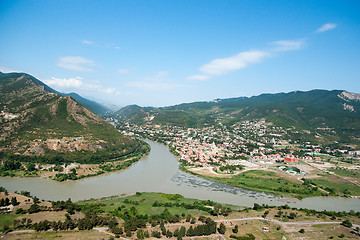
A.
pixel 66 235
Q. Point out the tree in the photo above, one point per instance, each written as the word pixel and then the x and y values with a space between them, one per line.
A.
pixel 117 230
pixel 169 234
pixel 222 228
pixel 190 232
pixel 128 233
pixel 292 215
pixel 140 234
pixel 182 232
pixel 71 209
pixel 14 201
pixel 302 231
pixel 34 208
pixel 156 234
pixel 235 229
pixel 257 206
pixel 162 227
pixel 36 200
pixel 347 223
pixel 30 167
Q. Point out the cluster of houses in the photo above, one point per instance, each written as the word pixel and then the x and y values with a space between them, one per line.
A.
pixel 252 141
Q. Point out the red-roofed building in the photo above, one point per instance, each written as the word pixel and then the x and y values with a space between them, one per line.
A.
pixel 291 160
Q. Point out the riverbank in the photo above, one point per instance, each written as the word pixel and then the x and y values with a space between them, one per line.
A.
pixel 77 171
pixel 279 183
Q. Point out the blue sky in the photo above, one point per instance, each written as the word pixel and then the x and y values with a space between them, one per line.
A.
pixel 160 53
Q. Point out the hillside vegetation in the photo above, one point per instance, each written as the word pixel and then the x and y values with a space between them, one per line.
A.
pixel 318 115
pixel 37 124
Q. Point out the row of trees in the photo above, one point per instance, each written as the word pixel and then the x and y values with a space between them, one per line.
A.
pixel 335 214
pixel 6 202
pixel 90 220
pixel 208 228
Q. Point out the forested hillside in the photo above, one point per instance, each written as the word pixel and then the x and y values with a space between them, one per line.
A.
pixel 37 123
pixel 317 115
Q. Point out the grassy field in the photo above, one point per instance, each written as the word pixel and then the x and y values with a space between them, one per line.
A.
pixel 337 185
pixel 7 219
pixel 144 204
pixel 269 182
pixel 346 172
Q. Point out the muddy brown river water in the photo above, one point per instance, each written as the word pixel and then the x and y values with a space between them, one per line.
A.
pixel 158 172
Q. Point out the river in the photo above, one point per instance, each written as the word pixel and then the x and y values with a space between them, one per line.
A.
pixel 158 172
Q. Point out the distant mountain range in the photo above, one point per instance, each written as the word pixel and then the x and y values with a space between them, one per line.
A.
pixel 317 115
pixel 37 120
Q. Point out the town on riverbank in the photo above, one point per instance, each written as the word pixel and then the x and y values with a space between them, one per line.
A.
pixel 257 155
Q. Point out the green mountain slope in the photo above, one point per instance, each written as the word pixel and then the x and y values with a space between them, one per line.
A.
pixel 36 121
pixel 93 106
pixel 317 115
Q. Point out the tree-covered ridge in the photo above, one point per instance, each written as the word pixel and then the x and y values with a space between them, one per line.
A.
pixel 36 121
pixel 317 115
pixel 93 106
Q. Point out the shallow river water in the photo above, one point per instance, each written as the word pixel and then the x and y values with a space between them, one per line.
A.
pixel 158 172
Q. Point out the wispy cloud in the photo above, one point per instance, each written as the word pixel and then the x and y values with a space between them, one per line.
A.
pixel 100 45
pixel 78 83
pixel 241 60
pixel 75 82
pixel 288 45
pixel 109 90
pixel 198 77
pixel 221 66
pixel 326 27
pixel 87 42
pixel 76 63
pixel 123 71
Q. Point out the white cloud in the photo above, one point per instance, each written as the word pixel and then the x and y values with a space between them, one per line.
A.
pixel 288 45
pixel 87 42
pixel 241 60
pixel 198 77
pixel 326 27
pixel 123 71
pixel 76 82
pixel 109 90
pixel 76 63
pixel 117 47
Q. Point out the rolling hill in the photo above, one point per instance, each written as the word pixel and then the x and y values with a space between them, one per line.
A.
pixel 318 115
pixel 38 121
pixel 93 106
